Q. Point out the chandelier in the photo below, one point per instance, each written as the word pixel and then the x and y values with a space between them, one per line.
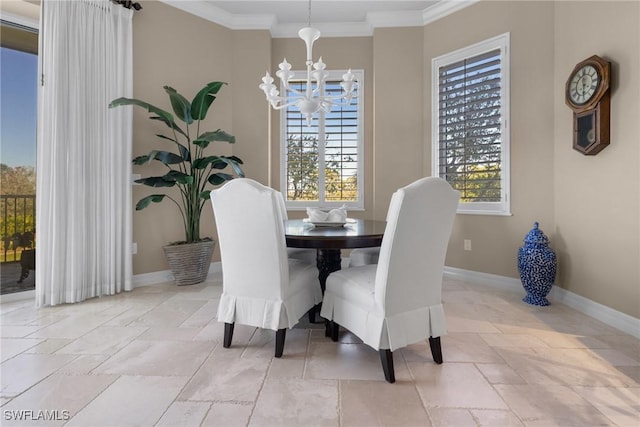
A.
pixel 311 100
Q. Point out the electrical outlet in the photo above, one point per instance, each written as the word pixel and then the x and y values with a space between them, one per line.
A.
pixel 467 244
pixel 134 248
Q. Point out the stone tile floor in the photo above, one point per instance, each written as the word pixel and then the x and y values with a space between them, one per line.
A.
pixel 153 357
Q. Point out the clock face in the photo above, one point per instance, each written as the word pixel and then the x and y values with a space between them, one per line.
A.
pixel 584 84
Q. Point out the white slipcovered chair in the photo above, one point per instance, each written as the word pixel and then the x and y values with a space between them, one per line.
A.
pixel 308 255
pixel 398 301
pixel 364 256
pixel 262 287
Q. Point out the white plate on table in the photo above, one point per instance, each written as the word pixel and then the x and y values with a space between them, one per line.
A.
pixel 329 223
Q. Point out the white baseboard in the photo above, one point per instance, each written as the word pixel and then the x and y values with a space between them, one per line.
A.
pixel 146 279
pixel 165 276
pixel 154 278
pixel 18 296
pixel 611 317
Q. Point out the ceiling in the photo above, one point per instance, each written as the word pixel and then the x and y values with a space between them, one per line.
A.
pixel 333 17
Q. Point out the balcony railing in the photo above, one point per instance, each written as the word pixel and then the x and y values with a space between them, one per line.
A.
pixel 17 225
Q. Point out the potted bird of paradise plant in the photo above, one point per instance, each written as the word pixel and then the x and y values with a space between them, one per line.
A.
pixel 191 169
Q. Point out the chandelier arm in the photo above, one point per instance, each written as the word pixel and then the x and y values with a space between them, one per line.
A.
pixel 285 105
pixel 337 97
pixel 289 88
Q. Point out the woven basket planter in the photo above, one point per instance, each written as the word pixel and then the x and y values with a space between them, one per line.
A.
pixel 190 262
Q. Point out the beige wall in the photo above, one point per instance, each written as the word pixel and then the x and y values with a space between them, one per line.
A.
pixel 251 56
pixel 587 205
pixel 495 239
pixel 398 113
pixel 597 213
pixel 174 48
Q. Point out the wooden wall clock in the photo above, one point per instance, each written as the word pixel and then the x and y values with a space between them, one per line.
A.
pixel 587 94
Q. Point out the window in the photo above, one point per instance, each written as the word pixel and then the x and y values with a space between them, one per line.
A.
pixel 470 137
pixel 322 164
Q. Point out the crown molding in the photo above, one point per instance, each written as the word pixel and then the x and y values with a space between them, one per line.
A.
pixel 399 18
pixel 444 8
pixel 327 29
pixel 338 29
pixel 219 16
pixel 20 20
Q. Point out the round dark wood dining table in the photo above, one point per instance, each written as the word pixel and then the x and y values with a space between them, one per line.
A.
pixel 358 233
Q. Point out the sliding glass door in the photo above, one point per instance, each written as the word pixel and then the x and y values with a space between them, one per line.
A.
pixel 18 110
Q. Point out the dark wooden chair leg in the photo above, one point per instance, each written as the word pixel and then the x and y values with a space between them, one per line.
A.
pixel 314 314
pixel 228 334
pixel 280 336
pixel 334 330
pixel 436 349
pixel 386 357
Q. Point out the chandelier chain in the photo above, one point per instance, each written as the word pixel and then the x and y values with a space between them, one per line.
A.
pixel 309 15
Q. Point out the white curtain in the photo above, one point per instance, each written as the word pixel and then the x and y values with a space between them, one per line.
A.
pixel 83 196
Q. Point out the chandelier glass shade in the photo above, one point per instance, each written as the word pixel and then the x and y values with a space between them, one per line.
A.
pixel 313 98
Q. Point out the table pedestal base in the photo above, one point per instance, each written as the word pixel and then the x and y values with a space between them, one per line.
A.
pixel 328 261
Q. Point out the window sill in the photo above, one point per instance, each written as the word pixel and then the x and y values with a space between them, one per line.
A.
pixel 491 213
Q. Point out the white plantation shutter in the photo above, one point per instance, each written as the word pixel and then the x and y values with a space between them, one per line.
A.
pixel 470 116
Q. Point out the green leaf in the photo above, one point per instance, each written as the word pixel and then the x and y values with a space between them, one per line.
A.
pixel 219 178
pixel 178 177
pixel 170 124
pixel 146 201
pixel 235 159
pixel 166 157
pixel 219 135
pixel 181 107
pixel 165 137
pixel 140 160
pixel 234 165
pixel 203 100
pixel 219 164
pixel 165 116
pixel 205 194
pixel 184 151
pixel 156 181
pixel 215 161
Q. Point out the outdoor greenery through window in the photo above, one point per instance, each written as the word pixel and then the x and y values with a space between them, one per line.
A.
pixel 470 135
pixel 322 163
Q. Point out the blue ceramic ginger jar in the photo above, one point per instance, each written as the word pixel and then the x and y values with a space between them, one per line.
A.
pixel 537 266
